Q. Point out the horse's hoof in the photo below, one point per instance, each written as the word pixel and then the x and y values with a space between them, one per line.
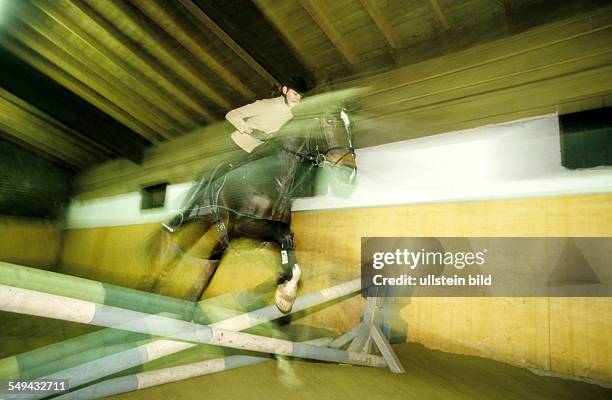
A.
pixel 286 292
pixel 285 297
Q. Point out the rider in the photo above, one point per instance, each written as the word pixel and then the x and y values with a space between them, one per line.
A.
pixel 255 122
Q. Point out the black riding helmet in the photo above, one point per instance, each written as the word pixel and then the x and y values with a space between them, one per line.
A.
pixel 297 83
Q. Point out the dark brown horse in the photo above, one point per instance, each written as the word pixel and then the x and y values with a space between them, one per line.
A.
pixel 252 197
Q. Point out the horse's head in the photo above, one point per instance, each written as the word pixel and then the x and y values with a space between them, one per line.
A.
pixel 337 146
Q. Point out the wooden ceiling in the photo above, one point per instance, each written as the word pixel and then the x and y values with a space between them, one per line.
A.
pixel 94 79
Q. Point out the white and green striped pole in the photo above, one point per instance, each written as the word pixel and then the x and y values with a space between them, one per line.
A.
pixel 75 351
pixel 59 307
pixel 80 350
pixel 94 291
pixel 113 363
pixel 149 379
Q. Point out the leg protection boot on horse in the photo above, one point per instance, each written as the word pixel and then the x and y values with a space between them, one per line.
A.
pixel 286 292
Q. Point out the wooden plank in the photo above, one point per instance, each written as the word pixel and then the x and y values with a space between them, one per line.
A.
pixel 387 352
pixel 549 62
pixel 29 241
pixel 381 22
pixel 577 344
pixel 440 15
pixel 135 55
pixel 29 125
pixel 55 100
pixel 225 38
pixel 165 21
pixel 278 22
pixel 525 75
pixel 139 81
pixel 330 31
pixel 552 91
pixel 504 48
pixel 60 76
pixel 61 46
pixel 140 29
pixel 537 331
pixel 345 338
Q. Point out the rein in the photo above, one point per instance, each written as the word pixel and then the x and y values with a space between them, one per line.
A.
pixel 319 158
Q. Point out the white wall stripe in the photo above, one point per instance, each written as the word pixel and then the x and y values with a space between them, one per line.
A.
pixel 510 160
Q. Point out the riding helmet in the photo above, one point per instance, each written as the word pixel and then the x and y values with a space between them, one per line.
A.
pixel 297 83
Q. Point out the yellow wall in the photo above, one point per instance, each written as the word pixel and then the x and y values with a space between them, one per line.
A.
pixel 569 335
pixel 31 242
pixel 114 255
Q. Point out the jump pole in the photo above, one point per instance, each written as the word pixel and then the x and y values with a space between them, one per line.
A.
pixel 158 377
pixel 75 351
pixel 95 369
pixel 94 291
pixel 25 301
pixel 110 364
pixel 80 347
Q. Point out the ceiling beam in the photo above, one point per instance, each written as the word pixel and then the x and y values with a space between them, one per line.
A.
pixel 149 89
pixel 140 60
pixel 31 128
pixel 381 22
pixel 164 20
pixel 63 105
pixel 136 26
pixel 227 40
pixel 266 7
pixel 60 45
pixel 59 75
pixel 437 8
pixel 332 34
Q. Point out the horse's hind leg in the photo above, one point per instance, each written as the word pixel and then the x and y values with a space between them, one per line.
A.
pixel 171 245
pixel 179 263
pixel 281 234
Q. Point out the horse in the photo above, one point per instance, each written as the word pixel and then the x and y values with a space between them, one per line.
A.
pixel 252 198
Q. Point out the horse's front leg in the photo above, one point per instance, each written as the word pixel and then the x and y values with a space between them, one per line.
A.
pixel 286 291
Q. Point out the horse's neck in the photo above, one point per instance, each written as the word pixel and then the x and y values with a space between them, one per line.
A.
pixel 291 154
pixel 291 157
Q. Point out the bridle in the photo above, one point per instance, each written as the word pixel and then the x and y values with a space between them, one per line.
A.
pixel 319 157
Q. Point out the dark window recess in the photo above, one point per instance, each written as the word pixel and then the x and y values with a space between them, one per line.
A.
pixel 31 186
pixel 153 196
pixel 586 138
